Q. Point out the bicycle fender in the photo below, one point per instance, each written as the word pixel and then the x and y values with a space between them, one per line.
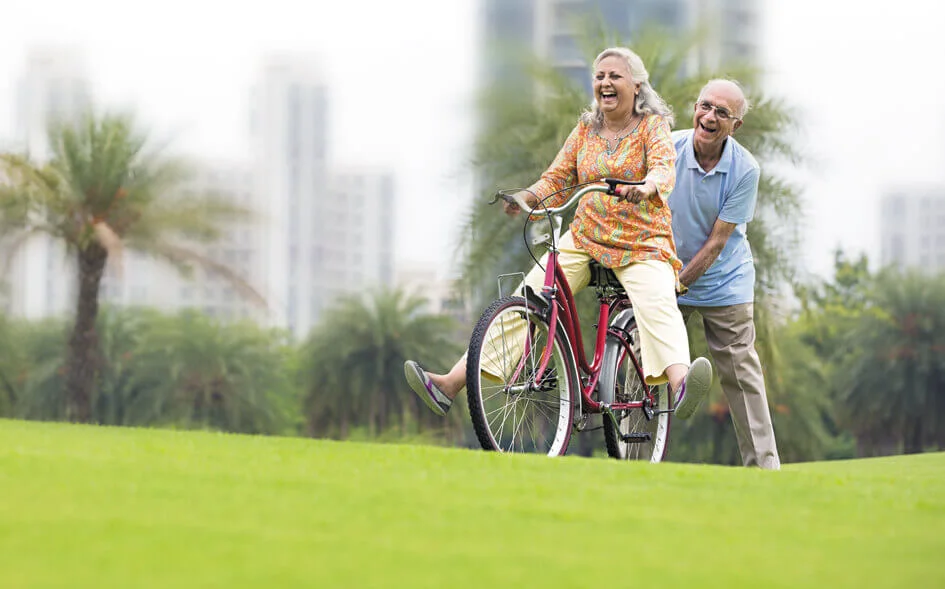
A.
pixel 607 380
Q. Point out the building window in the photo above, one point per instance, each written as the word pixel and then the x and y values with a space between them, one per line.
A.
pixel 319 106
pixel 896 249
pixel 896 207
pixel 565 49
pixel 293 121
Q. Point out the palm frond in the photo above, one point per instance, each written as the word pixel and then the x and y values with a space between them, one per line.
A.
pixel 184 259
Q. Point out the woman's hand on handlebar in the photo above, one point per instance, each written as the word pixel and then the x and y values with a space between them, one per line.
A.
pixel 511 209
pixel 636 194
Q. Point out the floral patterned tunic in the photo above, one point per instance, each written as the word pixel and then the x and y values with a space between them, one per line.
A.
pixel 616 232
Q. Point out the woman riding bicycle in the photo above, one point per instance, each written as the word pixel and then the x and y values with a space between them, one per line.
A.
pixel 625 135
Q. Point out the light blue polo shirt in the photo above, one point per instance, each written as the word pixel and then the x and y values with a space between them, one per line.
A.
pixel 729 192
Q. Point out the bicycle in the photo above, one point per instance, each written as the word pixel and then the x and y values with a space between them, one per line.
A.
pixel 533 402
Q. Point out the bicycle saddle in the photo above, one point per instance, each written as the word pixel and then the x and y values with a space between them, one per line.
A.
pixel 604 277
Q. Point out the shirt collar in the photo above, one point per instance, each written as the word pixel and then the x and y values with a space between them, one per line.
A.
pixel 725 162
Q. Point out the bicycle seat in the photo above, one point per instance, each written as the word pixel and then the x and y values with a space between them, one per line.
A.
pixel 602 277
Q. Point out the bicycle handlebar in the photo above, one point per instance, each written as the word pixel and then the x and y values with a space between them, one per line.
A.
pixel 516 198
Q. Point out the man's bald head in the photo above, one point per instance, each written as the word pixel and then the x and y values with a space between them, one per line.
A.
pixel 731 91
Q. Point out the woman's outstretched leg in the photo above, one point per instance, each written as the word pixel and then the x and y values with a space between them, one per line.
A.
pixel 439 390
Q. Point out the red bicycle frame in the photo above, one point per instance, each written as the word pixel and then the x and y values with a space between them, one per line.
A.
pixel 562 307
pixel 565 310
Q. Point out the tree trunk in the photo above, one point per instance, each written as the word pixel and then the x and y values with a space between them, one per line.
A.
pixel 343 429
pixel 913 438
pixel 83 357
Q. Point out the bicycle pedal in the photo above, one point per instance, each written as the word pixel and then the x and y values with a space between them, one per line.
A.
pixel 636 437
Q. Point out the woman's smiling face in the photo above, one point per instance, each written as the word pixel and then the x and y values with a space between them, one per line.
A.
pixel 614 87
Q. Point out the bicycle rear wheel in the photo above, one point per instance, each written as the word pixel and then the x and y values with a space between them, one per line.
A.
pixel 510 410
pixel 635 437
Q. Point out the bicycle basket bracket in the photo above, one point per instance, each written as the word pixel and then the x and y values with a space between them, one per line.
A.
pixel 518 284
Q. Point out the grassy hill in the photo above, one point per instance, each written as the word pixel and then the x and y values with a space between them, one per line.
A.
pixel 116 507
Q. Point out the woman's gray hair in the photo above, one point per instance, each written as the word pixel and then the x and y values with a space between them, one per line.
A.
pixel 647 101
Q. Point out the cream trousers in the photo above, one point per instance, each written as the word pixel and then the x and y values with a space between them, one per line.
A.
pixel 651 286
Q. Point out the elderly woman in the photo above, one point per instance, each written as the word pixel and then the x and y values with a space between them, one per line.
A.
pixel 625 134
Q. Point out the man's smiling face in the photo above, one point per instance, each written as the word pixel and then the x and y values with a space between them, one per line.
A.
pixel 711 126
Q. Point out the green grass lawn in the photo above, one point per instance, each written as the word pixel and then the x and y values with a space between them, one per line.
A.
pixel 116 507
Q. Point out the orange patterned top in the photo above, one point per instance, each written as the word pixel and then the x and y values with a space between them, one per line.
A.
pixel 617 232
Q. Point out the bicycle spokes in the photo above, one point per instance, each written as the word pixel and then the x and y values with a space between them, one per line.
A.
pixel 638 433
pixel 521 408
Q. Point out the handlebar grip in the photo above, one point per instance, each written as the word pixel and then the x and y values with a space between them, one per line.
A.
pixel 613 183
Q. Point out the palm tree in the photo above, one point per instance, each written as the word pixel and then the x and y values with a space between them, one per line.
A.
pixel 104 189
pixel 878 337
pixel 157 370
pixel 39 371
pixel 12 357
pixel 354 364
pixel 120 332
pixel 193 371
pixel 42 362
pixel 891 386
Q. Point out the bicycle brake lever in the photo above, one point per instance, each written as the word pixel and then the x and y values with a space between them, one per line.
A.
pixel 502 195
pixel 612 184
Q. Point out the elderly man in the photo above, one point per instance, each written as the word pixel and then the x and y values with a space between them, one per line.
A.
pixel 713 200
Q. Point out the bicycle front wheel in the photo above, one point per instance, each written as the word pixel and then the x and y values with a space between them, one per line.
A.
pixel 513 409
pixel 635 437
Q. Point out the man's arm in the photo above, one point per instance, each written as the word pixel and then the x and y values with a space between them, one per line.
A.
pixel 708 253
pixel 739 207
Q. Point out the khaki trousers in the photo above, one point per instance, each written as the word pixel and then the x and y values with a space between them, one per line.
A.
pixel 730 335
pixel 650 284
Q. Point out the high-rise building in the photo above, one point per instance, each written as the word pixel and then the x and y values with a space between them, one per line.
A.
pixel 329 231
pixel 153 282
pixel 53 88
pixel 238 251
pixel 355 245
pixel 514 29
pixel 912 234
pixel 289 135
pixel 442 295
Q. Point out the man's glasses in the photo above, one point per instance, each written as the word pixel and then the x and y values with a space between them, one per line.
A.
pixel 721 112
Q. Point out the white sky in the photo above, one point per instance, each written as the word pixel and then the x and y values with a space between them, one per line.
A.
pixel 868 78
pixel 401 76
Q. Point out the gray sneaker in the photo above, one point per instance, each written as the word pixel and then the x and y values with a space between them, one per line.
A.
pixel 694 389
pixel 421 384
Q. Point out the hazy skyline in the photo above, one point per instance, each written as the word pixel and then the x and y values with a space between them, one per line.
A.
pixel 401 78
pixel 397 94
